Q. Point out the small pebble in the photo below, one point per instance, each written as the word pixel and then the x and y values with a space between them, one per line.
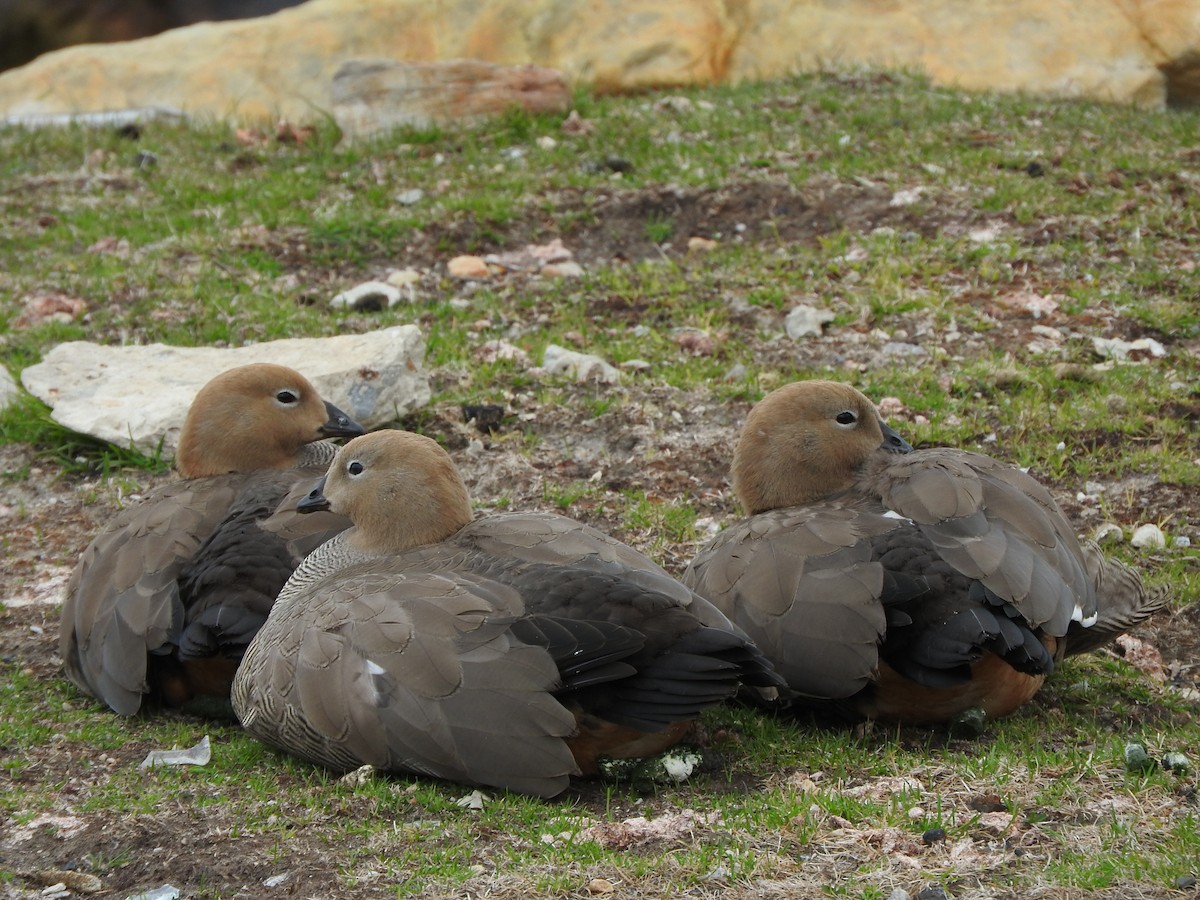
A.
pixel 1175 762
pixel 898 894
pixel 1148 537
pixel 933 892
pixel 932 836
pixel 1185 882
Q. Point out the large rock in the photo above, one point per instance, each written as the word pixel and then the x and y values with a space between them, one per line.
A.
pixel 374 95
pixel 139 394
pixel 283 65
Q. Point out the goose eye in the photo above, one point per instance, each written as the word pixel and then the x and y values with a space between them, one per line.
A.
pixel 355 468
pixel 846 418
pixel 286 397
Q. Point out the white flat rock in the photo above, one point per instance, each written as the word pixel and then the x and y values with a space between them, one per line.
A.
pixel 138 395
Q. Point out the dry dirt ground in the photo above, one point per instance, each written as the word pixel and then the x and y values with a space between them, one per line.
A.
pixel 48 517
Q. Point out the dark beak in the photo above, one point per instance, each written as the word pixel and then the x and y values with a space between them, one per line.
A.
pixel 315 500
pixel 339 424
pixel 892 442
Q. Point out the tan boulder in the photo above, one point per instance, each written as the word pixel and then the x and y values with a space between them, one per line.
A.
pixel 374 95
pixel 1142 51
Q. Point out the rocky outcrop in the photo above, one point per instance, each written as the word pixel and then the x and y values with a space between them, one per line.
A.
pixel 29 28
pixel 375 95
pixel 138 395
pixel 1141 51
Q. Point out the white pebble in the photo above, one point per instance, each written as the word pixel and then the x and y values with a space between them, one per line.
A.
pixel 1109 531
pixel 1182 542
pixel 370 294
pixel 1148 537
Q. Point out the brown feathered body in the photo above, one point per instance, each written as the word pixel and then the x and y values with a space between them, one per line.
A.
pixel 512 651
pixel 902 585
pixel 164 601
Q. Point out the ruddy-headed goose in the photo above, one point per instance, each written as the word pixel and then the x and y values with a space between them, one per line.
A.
pixel 514 650
pixel 165 599
pixel 898 584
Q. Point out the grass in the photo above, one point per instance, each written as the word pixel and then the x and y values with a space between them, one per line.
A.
pixel 225 243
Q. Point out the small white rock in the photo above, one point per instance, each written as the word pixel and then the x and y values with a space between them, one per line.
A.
pixel 1108 532
pixel 368 295
pixel 411 196
pixel 1182 542
pixel 403 277
pixel 805 320
pixel 567 269
pixel 1148 537
pixel 582 366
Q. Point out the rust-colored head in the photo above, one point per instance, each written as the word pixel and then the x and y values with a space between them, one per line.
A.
pixel 401 490
pixel 255 417
pixel 806 441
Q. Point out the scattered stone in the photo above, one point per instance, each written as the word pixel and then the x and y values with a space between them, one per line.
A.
pixel 410 197
pixel 933 836
pixel 1037 305
pixel 370 296
pixel 637 365
pixel 580 366
pixel 1176 762
pixel 1120 350
pixel 805 320
pixel 165 892
pixel 468 267
pixel 474 800
pixel 566 269
pixel 701 245
pixel 493 350
pixel 276 880
pixel 138 395
pixel 906 197
pixel 898 894
pixel 49 308
pixel 901 348
pixel 988 234
pixel 1108 533
pixel 995 823
pixel 358 777
pixel 1148 537
pixel 403 278
pixel 1181 541
pixel 79 882
pixel 374 95
pixel 1185 882
pixel 553 252
pixel 600 886
pixel 891 406
pixel 199 755
pixel 1137 759
pixel 933 892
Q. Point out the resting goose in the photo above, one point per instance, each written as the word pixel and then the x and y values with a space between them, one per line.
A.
pixel 902 585
pixel 164 600
pixel 512 651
